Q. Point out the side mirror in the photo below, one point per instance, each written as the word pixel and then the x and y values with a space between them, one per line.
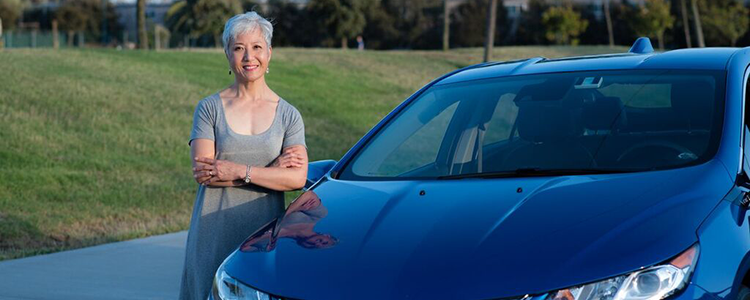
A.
pixel 316 170
pixel 743 181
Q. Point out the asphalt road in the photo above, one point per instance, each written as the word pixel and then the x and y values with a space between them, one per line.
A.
pixel 148 268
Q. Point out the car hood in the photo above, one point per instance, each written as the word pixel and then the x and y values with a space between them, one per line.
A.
pixel 477 238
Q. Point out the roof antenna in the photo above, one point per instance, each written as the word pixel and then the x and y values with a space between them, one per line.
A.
pixel 642 46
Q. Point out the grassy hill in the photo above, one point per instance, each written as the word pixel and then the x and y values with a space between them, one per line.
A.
pixel 94 142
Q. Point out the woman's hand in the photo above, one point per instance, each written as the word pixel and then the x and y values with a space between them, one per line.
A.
pixel 292 157
pixel 217 170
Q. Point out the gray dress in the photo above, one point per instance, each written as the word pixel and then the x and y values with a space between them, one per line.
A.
pixel 224 216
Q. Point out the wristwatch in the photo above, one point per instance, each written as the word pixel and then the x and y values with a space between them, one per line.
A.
pixel 247 174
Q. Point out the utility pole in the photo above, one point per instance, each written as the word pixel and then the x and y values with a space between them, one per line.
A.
pixel 490 39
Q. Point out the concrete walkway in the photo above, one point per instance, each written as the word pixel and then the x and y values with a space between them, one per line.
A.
pixel 148 268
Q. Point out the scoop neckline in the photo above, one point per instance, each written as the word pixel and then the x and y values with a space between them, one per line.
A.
pixel 226 122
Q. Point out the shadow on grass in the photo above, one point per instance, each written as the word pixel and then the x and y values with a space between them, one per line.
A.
pixel 16 233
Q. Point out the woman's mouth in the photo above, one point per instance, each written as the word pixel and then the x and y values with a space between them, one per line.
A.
pixel 250 68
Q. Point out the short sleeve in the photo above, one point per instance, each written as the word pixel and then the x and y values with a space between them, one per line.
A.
pixel 294 133
pixel 204 121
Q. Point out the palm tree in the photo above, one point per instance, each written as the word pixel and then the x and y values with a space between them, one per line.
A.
pixel 179 19
pixel 686 23
pixel 608 18
pixel 446 26
pixel 698 28
pixel 140 12
pixel 490 39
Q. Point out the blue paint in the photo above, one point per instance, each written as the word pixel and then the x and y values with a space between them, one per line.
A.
pixel 483 239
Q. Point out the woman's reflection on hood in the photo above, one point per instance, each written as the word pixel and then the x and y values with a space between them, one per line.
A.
pixel 297 224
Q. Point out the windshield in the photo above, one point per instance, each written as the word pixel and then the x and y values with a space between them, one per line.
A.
pixel 614 121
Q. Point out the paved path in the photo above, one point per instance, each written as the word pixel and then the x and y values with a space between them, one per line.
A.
pixel 148 268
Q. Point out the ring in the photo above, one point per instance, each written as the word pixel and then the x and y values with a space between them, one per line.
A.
pixel 211 173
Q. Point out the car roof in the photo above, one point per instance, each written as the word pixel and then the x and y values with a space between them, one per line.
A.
pixel 683 59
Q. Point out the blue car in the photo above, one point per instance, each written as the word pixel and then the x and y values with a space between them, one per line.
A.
pixel 621 176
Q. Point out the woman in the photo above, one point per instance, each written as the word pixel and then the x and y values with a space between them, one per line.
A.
pixel 248 146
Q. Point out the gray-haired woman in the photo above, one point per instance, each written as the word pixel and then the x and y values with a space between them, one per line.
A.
pixel 248 145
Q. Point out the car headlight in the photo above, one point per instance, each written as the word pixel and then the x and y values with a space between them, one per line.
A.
pixel 653 283
pixel 227 288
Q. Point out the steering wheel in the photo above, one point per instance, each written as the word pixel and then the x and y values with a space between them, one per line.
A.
pixel 684 153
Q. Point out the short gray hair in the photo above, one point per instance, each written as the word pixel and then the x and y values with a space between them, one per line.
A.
pixel 244 23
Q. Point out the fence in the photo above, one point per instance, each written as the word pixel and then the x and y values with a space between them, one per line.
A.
pixel 38 39
pixel 159 38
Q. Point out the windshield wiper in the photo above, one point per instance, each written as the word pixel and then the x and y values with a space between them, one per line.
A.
pixel 535 172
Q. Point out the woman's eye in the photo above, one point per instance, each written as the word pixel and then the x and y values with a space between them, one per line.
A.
pixel 237 48
pixel 258 47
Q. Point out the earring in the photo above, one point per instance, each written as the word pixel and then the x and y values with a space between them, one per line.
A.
pixel 230 72
pixel 268 70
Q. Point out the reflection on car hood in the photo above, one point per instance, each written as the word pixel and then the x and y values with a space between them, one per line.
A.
pixel 485 238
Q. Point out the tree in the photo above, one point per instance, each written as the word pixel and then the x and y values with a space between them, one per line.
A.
pixel 343 19
pixel 531 29
pixel 140 16
pixel 685 23
pixel 211 15
pixel 252 5
pixel 697 20
pixel 418 22
pixel 290 27
pixel 726 21
pixel 652 19
pixel 71 18
pixel 10 10
pixel 86 16
pixel 563 24
pixel 490 32
pixel 380 29
pixel 180 20
pixel 608 19
pixel 201 18
pixel 469 22
pixel 446 26
pixel 596 32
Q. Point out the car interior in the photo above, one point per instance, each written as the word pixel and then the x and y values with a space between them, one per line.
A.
pixel 566 122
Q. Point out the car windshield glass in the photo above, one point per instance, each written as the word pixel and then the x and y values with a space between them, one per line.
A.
pixel 549 124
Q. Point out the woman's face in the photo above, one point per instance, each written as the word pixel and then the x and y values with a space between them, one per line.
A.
pixel 248 56
pixel 318 241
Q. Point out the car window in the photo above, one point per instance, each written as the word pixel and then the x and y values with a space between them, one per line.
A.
pixel 649 96
pixel 609 121
pixel 421 148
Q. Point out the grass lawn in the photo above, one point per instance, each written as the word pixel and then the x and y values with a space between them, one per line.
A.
pixel 94 142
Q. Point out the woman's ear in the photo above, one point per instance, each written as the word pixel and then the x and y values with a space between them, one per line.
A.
pixel 270 53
